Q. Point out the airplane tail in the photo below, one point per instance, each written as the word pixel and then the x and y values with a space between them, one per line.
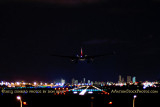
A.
pixel 81 52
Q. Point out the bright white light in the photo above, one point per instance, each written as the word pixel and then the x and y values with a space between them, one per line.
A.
pixel 35 83
pixel 75 92
pixel 18 98
pixel 18 83
pixel 135 96
pixel 83 92
pixel 144 87
pixel 2 83
pixel 90 92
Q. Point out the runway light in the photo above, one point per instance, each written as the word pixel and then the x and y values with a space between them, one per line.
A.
pixel 75 92
pixel 82 92
pixel 110 102
pixel 90 92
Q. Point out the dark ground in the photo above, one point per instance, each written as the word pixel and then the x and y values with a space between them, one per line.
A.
pixel 124 100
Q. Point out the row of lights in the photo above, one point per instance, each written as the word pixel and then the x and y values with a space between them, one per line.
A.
pixel 24 103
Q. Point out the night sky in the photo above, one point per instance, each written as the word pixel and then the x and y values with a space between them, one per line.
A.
pixel 30 32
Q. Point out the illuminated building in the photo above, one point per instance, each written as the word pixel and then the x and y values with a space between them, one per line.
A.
pixel 73 81
pixel 91 82
pixel 88 81
pixel 128 79
pixel 62 81
pixel 84 80
pixel 76 82
pixel 134 79
pixel 120 80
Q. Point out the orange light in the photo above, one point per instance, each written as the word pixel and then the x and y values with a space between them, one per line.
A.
pixel 108 93
pixel 24 103
pixel 110 102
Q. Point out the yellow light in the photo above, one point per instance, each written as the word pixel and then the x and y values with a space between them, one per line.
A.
pixel 25 103
pixel 110 102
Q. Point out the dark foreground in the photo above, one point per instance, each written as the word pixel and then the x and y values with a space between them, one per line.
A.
pixel 119 100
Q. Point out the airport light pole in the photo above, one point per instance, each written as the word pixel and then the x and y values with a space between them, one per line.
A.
pixel 20 99
pixel 134 97
pixel 92 98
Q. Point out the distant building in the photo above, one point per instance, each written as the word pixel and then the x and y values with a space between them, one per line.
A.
pixel 76 82
pixel 73 81
pixel 134 79
pixel 119 80
pixel 122 80
pixel 128 79
pixel 62 81
pixel 89 81
pixel 84 80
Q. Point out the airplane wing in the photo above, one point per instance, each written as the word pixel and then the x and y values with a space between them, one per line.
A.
pixel 71 57
pixel 107 54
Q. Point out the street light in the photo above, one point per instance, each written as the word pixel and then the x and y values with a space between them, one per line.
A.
pixel 20 99
pixel 134 97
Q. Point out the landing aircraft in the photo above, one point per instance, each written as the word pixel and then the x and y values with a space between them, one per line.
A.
pixel 83 57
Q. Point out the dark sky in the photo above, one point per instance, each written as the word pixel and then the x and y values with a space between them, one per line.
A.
pixel 30 32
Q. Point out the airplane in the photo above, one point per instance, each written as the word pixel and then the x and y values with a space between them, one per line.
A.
pixel 83 57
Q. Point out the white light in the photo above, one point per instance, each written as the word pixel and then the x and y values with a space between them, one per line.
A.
pixel 90 92
pixel 75 92
pixel 135 96
pixel 18 98
pixel 18 83
pixel 82 92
